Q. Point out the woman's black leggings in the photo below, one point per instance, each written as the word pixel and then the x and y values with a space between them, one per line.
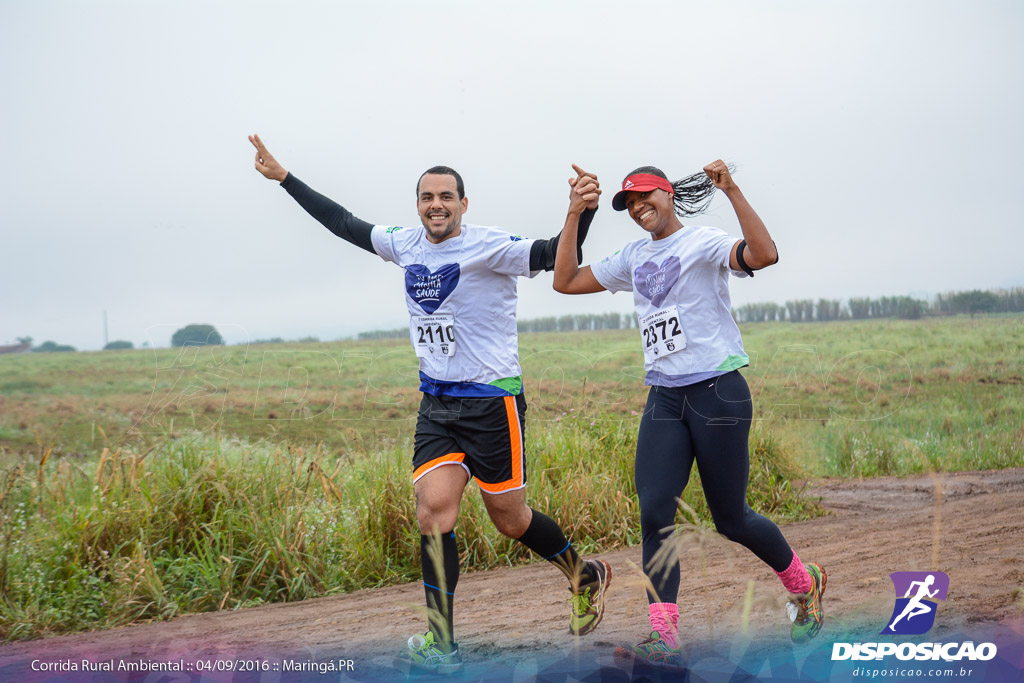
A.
pixel 708 422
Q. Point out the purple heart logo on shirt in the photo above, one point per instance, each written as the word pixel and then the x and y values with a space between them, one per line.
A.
pixel 654 282
pixel 430 288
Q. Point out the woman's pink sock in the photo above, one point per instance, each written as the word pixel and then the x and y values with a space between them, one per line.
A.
pixel 795 577
pixel 665 620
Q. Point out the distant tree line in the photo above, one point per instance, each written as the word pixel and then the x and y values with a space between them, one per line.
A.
pixel 399 333
pixel 578 322
pixel 978 301
pixel 52 347
pixel 902 307
pixel 282 340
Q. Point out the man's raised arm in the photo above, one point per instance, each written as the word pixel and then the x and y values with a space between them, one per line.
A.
pixel 542 254
pixel 332 215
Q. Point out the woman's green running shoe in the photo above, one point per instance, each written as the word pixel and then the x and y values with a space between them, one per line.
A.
pixel 651 650
pixel 805 610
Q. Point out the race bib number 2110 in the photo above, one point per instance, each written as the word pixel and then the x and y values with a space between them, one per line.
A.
pixel 433 335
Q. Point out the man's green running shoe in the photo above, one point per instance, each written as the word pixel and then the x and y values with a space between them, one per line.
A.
pixel 588 604
pixel 805 610
pixel 424 656
pixel 651 650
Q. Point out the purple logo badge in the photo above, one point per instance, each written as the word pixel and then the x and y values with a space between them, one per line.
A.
pixel 654 282
pixel 916 595
pixel 429 289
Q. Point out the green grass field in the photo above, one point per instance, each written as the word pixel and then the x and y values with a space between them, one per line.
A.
pixel 144 484
pixel 848 398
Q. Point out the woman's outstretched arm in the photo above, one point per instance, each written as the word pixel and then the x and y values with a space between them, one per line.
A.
pixel 569 277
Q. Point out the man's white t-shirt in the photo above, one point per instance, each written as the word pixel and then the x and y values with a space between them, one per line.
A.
pixel 462 298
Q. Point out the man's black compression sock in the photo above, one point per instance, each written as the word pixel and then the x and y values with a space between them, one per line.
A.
pixel 439 556
pixel 546 538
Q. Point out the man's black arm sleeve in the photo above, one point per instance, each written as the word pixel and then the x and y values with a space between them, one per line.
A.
pixel 334 216
pixel 542 253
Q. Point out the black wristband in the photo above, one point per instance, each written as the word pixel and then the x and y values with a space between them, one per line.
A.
pixel 739 259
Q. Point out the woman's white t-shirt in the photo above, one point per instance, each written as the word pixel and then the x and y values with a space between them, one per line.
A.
pixel 680 288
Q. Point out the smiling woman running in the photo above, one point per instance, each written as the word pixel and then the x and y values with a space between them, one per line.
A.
pixel 699 406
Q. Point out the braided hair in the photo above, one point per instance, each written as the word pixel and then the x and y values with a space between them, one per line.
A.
pixel 690 195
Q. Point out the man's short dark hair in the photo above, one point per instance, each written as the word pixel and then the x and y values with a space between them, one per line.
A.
pixel 443 170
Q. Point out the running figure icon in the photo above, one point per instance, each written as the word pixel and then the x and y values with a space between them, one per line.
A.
pixel 916 607
pixel 917 595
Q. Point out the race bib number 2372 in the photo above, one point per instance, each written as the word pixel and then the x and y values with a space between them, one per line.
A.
pixel 662 334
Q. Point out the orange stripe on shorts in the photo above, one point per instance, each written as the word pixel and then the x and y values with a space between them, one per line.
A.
pixel 516 438
pixel 453 458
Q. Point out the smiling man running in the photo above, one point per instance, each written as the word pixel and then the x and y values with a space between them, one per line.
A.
pixel 460 284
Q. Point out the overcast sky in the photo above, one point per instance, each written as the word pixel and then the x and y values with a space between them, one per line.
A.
pixel 880 141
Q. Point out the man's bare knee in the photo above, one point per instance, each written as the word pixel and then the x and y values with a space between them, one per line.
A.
pixel 436 518
pixel 509 512
pixel 437 499
pixel 511 527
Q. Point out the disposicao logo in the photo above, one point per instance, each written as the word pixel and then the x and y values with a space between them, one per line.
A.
pixel 914 614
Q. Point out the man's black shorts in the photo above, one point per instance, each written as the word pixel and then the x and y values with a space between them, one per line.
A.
pixel 483 435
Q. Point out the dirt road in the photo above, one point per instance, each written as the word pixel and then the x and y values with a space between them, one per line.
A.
pixel 969 525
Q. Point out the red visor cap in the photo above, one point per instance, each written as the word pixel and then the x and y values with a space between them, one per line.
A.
pixel 641 182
